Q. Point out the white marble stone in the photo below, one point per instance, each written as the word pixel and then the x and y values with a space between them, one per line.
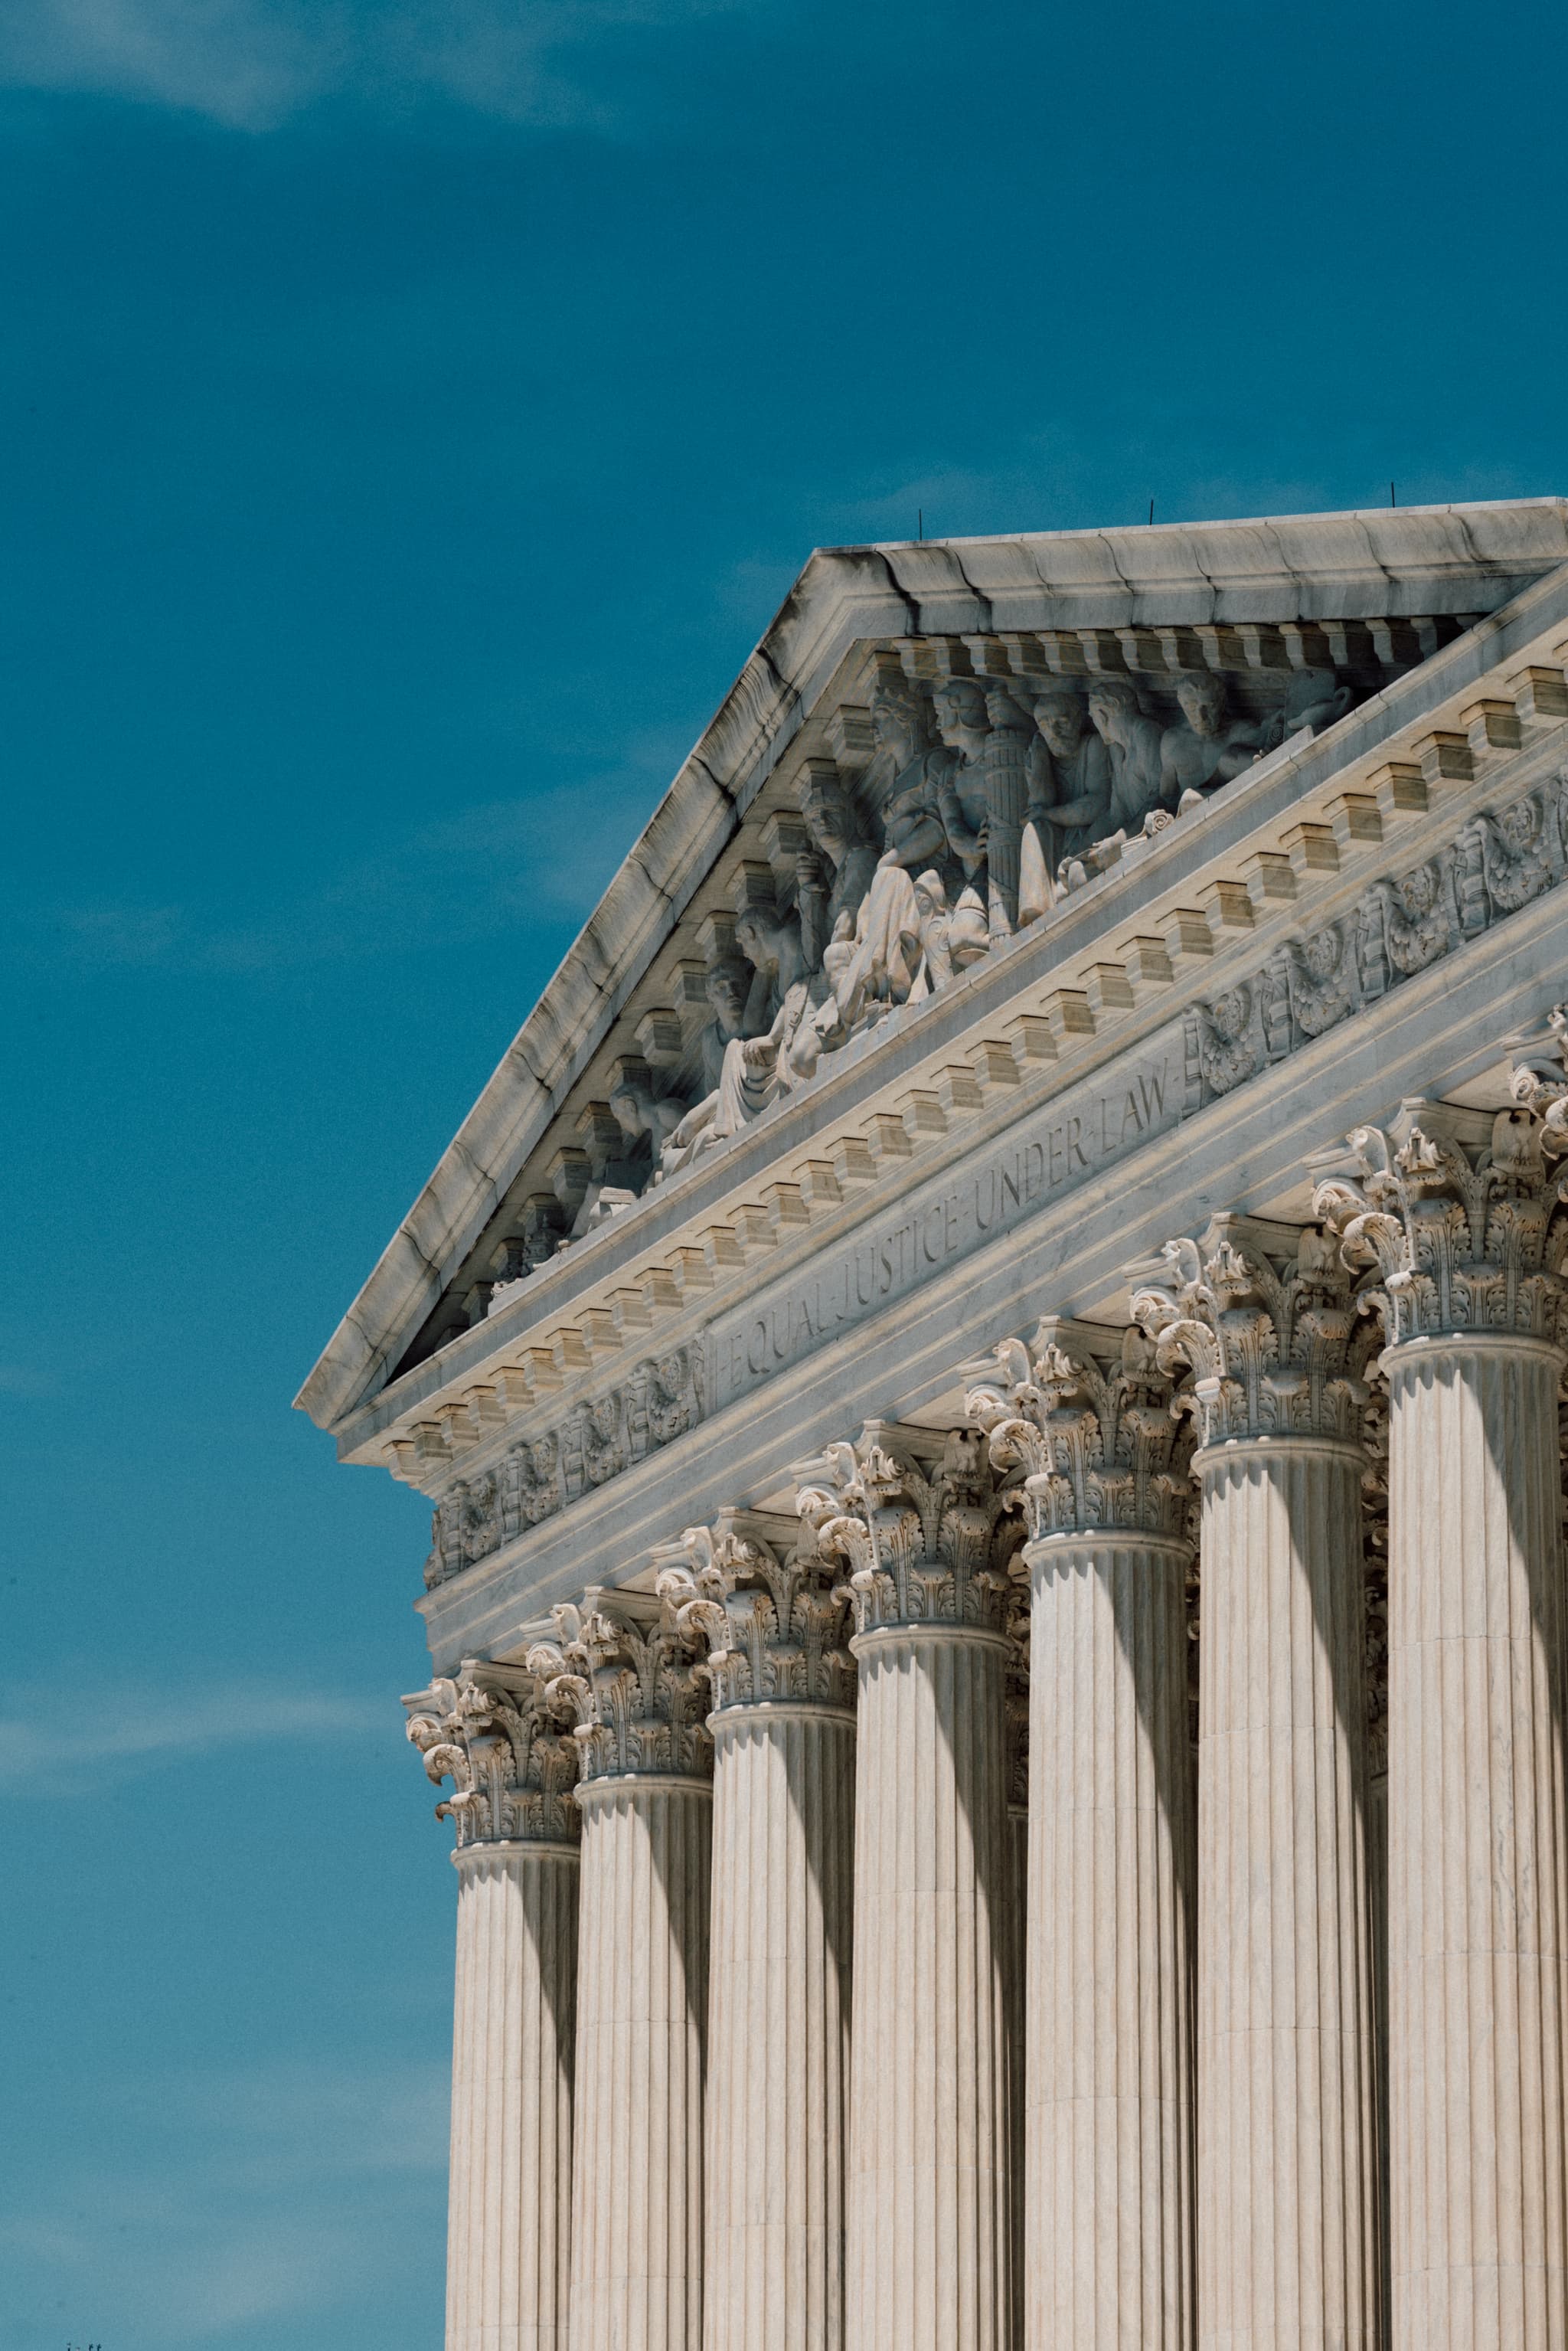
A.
pixel 1452 1212
pixel 1210 576
pixel 861 2050
pixel 1108 2225
pixel 1287 2169
pixel 509 2265
pixel 646 1801
pixel 929 2251
pixel 780 1964
pixel 509 2203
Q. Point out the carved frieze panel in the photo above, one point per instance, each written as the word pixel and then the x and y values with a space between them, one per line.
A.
pixel 1497 863
pixel 595 1440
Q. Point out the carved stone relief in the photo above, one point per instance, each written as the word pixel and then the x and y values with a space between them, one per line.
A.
pixel 1497 862
pixel 595 1441
pixel 985 797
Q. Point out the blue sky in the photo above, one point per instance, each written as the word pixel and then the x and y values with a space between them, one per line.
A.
pixel 410 415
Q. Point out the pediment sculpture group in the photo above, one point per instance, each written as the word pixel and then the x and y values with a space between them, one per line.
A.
pixel 994 797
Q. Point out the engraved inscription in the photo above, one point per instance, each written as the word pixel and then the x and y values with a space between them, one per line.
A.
pixel 1036 1161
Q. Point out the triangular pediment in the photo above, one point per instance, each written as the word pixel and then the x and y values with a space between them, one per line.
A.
pixel 1296 627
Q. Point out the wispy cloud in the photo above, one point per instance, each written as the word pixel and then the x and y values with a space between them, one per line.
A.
pixel 249 2198
pixel 142 1726
pixel 497 865
pixel 253 64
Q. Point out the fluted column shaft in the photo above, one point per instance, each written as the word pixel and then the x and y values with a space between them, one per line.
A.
pixel 637 2193
pixel 1478 1876
pixel 1287 2173
pixel 929 2198
pixel 509 2207
pixel 1108 2243
pixel 777 2094
pixel 1018 2052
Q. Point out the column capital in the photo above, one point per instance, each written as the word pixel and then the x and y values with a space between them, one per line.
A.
pixel 1263 1315
pixel 918 1518
pixel 772 1619
pixel 628 1676
pixel 1447 1216
pixel 1086 1413
pixel 493 1732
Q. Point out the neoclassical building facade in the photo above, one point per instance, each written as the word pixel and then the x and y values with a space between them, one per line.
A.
pixel 989 1371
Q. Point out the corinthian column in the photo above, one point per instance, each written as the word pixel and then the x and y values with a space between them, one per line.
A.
pixel 1107 2252
pixel 1287 2176
pixel 778 1972
pixel 1453 1211
pixel 1015 1715
pixel 509 2200
pixel 645 1796
pixel 929 2246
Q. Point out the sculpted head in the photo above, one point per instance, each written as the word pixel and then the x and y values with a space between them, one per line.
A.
pixel 898 719
pixel 961 718
pixel 1316 698
pixel 830 817
pixel 930 897
pixel 630 1106
pixel 1202 698
pixel 1062 719
pixel 1112 708
pixel 728 987
pixel 757 938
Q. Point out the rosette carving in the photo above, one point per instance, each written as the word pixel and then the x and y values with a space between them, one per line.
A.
pixel 1449 1216
pixel 1089 1423
pixel 1263 1317
pixel 631 1687
pixel 775 1629
pixel 496 1734
pixel 923 1541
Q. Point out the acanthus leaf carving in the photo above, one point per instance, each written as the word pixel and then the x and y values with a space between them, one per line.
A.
pixel 631 1681
pixel 774 1627
pixel 496 1734
pixel 1092 1427
pixel 922 1543
pixel 1447 1217
pixel 1265 1330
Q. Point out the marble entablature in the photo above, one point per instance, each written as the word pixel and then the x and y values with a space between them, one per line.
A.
pixel 1402 924
pixel 907 1005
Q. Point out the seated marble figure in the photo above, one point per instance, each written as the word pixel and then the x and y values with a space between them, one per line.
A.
pixel 1095 782
pixel 1315 698
pixel 1209 745
pixel 872 956
pixel 910 934
pixel 757 1070
pixel 748 1071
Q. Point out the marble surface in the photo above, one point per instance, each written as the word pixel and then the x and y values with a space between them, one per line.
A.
pixel 1285 571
